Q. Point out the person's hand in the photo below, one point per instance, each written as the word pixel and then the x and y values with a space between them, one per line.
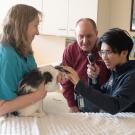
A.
pixel 72 75
pixel 74 109
pixel 93 71
pixel 41 90
pixel 1 102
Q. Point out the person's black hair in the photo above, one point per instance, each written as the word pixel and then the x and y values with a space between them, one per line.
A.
pixel 117 39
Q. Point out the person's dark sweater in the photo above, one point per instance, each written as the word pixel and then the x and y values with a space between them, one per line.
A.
pixel 117 95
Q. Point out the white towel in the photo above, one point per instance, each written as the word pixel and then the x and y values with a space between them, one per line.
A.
pixel 18 126
pixel 88 124
pixel 70 124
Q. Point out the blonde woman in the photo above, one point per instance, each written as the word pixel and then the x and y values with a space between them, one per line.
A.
pixel 16 57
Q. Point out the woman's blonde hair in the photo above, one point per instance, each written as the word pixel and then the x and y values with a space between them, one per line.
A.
pixel 15 27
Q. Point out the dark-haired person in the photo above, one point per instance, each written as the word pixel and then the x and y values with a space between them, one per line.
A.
pixel 16 57
pixel 75 56
pixel 118 94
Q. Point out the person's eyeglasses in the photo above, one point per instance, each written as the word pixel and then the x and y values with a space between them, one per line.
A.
pixel 105 53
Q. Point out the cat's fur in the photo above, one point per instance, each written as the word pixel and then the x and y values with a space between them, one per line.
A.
pixel 30 83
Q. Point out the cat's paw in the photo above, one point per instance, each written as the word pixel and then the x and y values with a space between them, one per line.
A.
pixel 3 118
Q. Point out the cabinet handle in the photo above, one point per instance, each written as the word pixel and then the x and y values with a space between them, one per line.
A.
pixel 71 29
pixel 62 29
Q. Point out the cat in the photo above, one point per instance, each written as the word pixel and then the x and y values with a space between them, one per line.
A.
pixel 30 83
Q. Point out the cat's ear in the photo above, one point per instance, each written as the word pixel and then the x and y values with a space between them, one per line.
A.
pixel 47 77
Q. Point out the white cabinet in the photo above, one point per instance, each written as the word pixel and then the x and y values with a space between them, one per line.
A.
pixel 60 16
pixel 35 3
pixel 55 17
pixel 80 9
pixel 5 6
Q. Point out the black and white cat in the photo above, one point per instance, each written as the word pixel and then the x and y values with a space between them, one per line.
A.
pixel 30 83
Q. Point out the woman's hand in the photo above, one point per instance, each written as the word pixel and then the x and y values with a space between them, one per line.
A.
pixel 93 71
pixel 72 75
pixel 1 102
pixel 22 101
pixel 41 90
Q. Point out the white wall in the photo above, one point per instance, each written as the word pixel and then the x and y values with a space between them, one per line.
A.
pixel 103 16
pixel 114 13
pixel 120 12
pixel 48 49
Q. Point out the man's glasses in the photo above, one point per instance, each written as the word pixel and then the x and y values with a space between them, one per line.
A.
pixel 105 53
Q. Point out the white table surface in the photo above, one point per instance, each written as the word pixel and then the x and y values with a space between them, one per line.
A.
pixel 58 121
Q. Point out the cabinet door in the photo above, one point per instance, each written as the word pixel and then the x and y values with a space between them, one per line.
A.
pixel 80 9
pixel 35 3
pixel 55 17
pixel 5 6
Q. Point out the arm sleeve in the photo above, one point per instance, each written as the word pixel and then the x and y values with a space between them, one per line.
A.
pixel 121 99
pixel 67 85
pixel 12 68
pixel 9 77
